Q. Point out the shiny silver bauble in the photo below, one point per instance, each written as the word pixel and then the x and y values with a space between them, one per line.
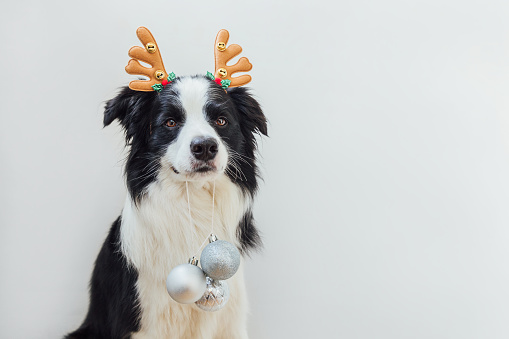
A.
pixel 186 283
pixel 215 297
pixel 220 260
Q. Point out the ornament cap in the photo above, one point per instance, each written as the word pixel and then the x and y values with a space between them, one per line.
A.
pixel 212 238
pixel 193 261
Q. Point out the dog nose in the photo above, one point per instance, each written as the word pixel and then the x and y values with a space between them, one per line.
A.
pixel 204 148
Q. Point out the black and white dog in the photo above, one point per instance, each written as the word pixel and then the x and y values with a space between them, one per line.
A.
pixel 193 131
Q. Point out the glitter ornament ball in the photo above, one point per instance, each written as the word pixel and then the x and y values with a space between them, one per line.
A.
pixel 220 260
pixel 215 297
pixel 186 283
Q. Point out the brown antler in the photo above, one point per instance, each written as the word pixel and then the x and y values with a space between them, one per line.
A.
pixel 149 54
pixel 223 54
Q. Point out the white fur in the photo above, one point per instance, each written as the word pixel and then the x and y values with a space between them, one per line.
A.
pixel 156 235
pixel 192 93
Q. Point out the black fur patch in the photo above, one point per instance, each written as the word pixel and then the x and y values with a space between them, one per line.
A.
pixel 113 312
pixel 250 120
pixel 248 234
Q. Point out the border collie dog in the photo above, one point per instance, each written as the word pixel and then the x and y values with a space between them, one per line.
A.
pixel 194 131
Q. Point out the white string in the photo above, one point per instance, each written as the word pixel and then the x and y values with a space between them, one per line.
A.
pixel 213 199
pixel 212 221
pixel 189 206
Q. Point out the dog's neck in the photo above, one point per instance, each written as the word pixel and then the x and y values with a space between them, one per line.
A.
pixel 158 226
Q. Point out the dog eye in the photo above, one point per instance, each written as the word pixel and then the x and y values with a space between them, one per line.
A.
pixel 171 123
pixel 221 121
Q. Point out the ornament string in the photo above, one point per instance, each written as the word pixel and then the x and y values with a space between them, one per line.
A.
pixel 212 219
pixel 189 206
pixel 205 285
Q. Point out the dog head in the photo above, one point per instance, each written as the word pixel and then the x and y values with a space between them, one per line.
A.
pixel 191 130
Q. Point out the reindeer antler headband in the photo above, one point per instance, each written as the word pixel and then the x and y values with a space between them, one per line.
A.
pixel 158 77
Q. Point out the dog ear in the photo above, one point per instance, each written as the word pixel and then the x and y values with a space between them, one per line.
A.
pixel 131 108
pixel 250 111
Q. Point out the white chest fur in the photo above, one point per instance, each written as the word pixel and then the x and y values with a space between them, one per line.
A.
pixel 156 235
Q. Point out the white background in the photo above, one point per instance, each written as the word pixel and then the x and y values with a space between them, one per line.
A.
pixel 384 208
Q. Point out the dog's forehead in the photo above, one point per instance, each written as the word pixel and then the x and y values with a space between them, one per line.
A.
pixel 193 95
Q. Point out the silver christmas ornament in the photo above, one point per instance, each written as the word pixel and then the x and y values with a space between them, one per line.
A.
pixel 220 259
pixel 215 297
pixel 186 283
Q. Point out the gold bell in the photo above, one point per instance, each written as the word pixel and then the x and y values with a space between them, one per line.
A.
pixel 159 75
pixel 221 46
pixel 222 72
pixel 151 47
